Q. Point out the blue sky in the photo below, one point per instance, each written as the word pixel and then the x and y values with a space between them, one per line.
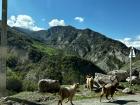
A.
pixel 117 19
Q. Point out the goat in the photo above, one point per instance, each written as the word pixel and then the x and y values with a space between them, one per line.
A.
pixel 89 82
pixel 109 89
pixel 68 92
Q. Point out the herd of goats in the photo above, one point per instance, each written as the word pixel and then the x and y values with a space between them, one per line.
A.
pixel 48 85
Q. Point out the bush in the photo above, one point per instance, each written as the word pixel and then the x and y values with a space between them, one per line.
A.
pixel 14 81
pixel 29 85
pixel 12 61
pixel 14 84
pixel 35 55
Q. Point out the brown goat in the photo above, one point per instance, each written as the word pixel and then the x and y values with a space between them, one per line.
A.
pixel 109 89
pixel 68 92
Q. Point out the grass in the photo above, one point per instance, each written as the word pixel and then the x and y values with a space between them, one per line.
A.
pixel 134 87
pixel 44 48
pixel 50 50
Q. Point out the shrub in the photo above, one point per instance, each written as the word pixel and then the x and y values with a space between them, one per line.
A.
pixel 29 85
pixel 12 61
pixel 14 81
pixel 35 55
pixel 14 84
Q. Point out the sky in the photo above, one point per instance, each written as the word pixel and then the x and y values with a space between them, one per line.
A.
pixel 117 19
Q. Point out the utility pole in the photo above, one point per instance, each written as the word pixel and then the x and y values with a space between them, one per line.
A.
pixel 3 49
pixel 130 67
pixel 132 54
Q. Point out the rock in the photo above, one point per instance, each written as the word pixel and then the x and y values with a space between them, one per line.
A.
pixel 9 102
pixel 135 80
pixel 48 85
pixel 128 78
pixel 127 91
pixel 102 79
pixel 121 74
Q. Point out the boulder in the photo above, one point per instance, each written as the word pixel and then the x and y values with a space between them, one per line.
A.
pixel 127 91
pixel 102 79
pixel 48 85
pixel 121 74
pixel 135 80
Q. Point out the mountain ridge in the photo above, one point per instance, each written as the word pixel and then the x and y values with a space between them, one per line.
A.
pixel 67 55
pixel 107 53
pixel 88 44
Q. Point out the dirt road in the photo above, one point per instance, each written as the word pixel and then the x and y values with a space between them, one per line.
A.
pixel 122 100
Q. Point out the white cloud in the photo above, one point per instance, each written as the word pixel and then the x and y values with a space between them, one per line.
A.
pixel 127 39
pixel 23 21
pixel 79 19
pixel 56 22
pixel 131 42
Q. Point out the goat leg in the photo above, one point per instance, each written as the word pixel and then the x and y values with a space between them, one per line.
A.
pixel 101 96
pixel 59 102
pixel 67 100
pixel 71 100
pixel 107 97
pixel 112 96
pixel 71 103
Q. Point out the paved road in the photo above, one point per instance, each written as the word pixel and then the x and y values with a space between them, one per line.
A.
pixel 122 100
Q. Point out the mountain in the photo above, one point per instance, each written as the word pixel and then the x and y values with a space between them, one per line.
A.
pixel 23 30
pixel 135 65
pixel 105 52
pixel 62 52
pixel 30 59
pixel 138 48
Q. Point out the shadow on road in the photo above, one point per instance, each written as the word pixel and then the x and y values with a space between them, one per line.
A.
pixel 122 102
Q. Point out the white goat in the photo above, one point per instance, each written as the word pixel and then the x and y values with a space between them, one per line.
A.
pixel 89 82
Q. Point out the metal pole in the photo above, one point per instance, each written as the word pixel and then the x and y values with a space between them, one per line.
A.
pixel 131 67
pixel 3 49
